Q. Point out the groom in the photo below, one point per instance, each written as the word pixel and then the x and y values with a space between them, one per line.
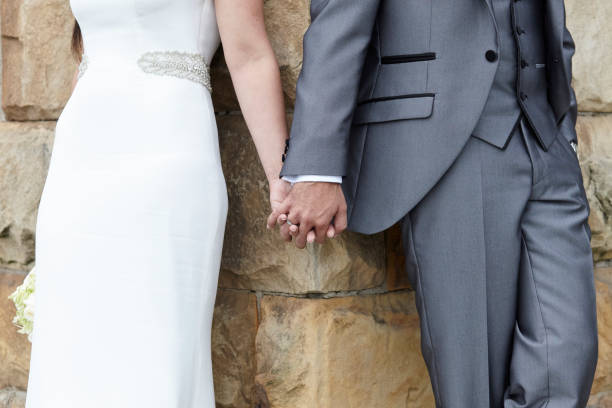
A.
pixel 457 118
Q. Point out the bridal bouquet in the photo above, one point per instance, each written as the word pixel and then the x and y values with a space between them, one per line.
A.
pixel 23 297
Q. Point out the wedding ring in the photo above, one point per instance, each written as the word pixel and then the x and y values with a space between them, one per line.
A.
pixel 289 222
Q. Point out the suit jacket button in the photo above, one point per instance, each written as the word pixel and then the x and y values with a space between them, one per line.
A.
pixel 491 56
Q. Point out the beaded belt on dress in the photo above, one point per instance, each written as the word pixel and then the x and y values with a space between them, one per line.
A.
pixel 191 66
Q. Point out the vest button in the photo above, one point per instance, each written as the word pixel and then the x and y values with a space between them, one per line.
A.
pixel 491 56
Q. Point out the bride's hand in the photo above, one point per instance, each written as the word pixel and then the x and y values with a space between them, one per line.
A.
pixel 279 189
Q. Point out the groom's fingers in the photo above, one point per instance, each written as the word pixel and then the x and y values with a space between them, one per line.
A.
pixel 340 221
pixel 321 233
pixel 311 237
pixel 300 239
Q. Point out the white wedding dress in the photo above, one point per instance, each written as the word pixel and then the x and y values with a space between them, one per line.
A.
pixel 132 216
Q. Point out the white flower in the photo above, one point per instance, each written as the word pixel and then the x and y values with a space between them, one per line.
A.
pixel 23 297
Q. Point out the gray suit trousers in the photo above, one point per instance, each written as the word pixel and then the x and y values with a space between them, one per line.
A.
pixel 499 255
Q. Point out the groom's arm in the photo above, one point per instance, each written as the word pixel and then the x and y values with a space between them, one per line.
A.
pixel 335 47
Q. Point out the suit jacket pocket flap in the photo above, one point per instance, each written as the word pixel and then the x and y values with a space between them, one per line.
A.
pixel 394 108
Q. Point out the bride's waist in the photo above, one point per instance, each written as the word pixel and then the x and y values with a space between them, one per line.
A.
pixel 118 108
pixel 126 66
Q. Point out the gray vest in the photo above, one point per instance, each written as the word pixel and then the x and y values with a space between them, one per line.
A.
pixel 520 83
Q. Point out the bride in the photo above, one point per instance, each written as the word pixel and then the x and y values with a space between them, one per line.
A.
pixel 131 220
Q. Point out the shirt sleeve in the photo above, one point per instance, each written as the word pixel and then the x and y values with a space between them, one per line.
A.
pixel 313 178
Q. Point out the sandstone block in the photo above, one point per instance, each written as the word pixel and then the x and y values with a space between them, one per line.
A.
pixel 14 347
pixel 12 398
pixel 595 152
pixel 26 150
pixel 233 348
pixel 361 351
pixel 286 23
pixel 397 278
pixel 601 400
pixel 257 259
pixel 223 94
pixel 589 24
pixel 603 374
pixel 37 66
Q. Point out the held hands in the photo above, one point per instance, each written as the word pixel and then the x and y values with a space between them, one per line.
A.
pixel 310 212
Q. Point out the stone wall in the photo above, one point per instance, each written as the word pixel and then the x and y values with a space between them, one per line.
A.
pixel 332 326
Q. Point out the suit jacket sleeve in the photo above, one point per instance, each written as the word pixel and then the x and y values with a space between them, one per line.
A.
pixel 335 47
pixel 568 123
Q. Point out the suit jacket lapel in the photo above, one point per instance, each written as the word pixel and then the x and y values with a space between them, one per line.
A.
pixel 488 3
pixel 490 7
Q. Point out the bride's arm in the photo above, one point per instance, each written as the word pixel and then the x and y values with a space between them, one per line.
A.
pixel 256 78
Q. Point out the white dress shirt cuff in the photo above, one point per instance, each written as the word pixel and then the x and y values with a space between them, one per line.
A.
pixel 313 178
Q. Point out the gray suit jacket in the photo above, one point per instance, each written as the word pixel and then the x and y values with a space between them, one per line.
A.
pixel 391 90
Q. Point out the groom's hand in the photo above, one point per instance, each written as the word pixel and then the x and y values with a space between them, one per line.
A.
pixel 312 207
